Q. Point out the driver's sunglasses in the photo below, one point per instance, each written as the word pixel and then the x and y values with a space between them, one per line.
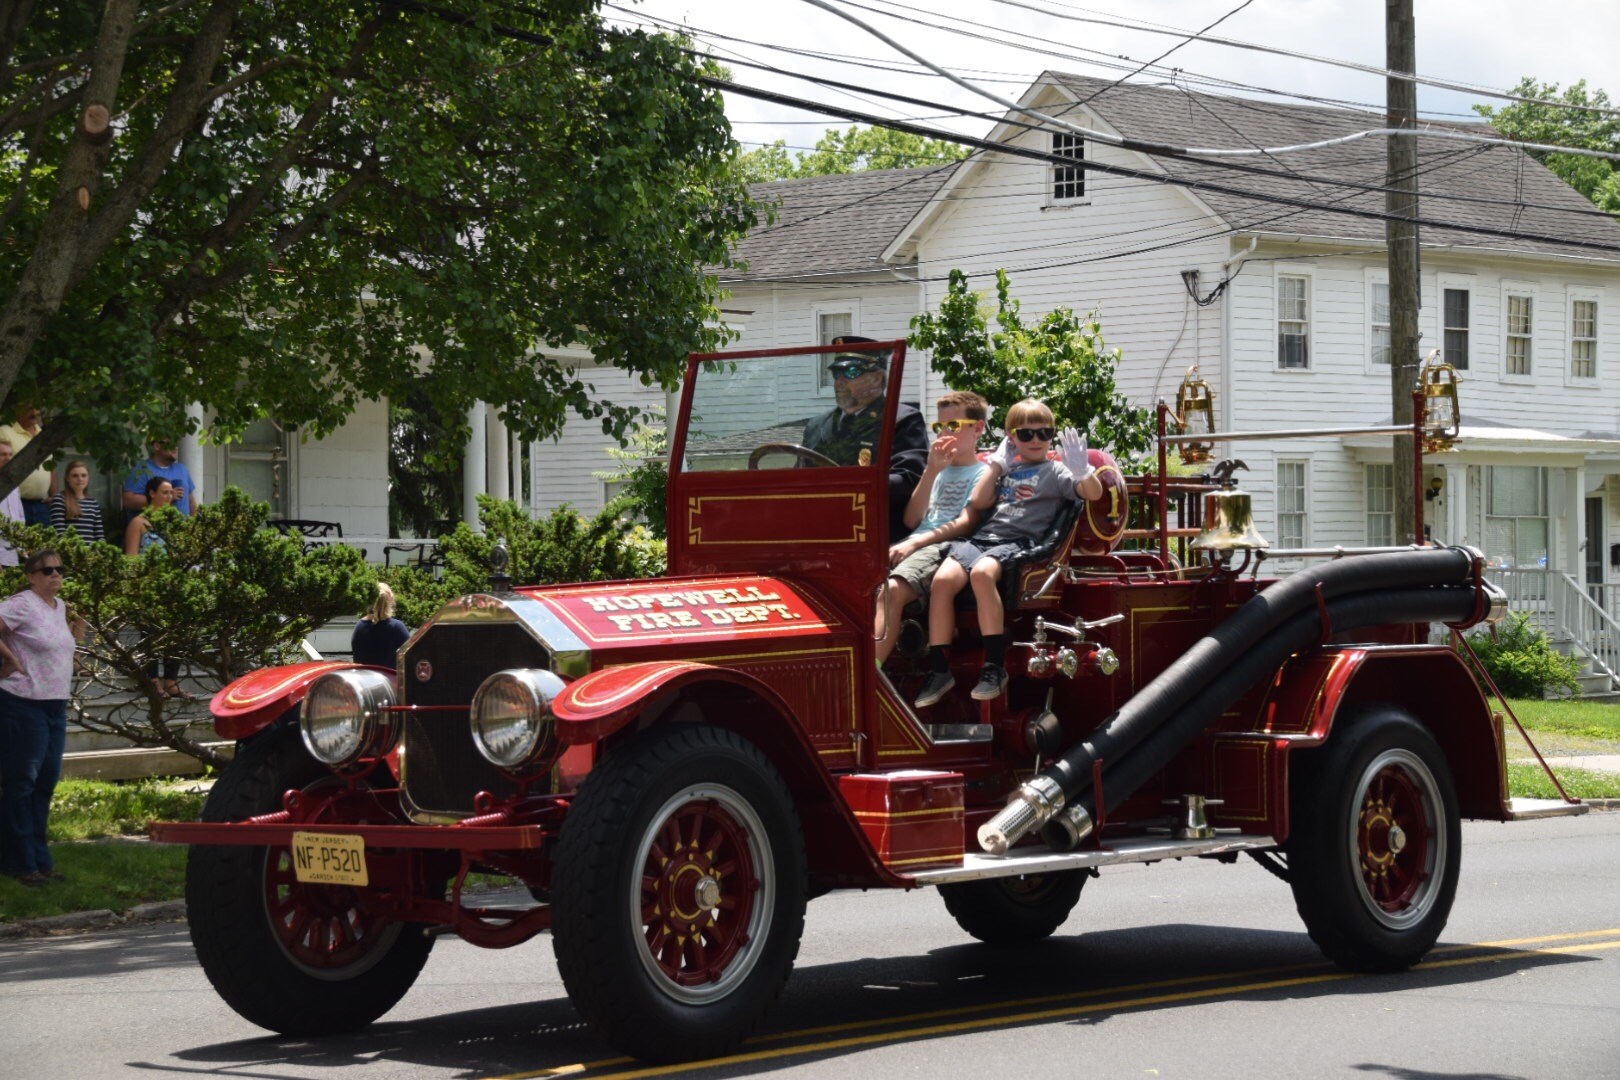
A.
pixel 953 426
pixel 848 371
pixel 1028 434
pixel 62 570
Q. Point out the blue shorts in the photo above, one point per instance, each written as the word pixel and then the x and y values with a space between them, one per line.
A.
pixel 968 552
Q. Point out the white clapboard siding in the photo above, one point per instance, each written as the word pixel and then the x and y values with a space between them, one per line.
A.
pixel 344 477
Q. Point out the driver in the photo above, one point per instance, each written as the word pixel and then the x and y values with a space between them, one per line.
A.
pixel 848 434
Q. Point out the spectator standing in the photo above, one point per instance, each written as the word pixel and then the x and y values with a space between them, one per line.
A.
pixel 378 635
pixel 138 536
pixel 11 506
pixel 75 508
pixel 36 662
pixel 39 487
pixel 166 463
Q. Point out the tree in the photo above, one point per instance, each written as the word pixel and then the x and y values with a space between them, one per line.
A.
pixel 850 150
pixel 1062 360
pixel 642 469
pixel 1596 178
pixel 281 209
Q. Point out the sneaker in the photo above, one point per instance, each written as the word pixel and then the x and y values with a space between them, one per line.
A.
pixel 992 683
pixel 934 688
pixel 30 879
pixel 53 875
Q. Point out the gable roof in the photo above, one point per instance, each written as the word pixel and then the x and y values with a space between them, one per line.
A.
pixel 1171 116
pixel 832 225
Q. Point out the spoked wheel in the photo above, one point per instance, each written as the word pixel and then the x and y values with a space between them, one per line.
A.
pixel 1376 846
pixel 1011 910
pixel 296 958
pixel 679 893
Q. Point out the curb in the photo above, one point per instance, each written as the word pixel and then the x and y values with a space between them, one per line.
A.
pixel 101 919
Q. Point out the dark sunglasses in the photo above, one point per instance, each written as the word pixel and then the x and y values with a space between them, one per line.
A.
pixel 62 570
pixel 952 426
pixel 1028 434
pixel 848 371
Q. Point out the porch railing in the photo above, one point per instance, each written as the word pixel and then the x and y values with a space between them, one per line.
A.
pixel 1585 620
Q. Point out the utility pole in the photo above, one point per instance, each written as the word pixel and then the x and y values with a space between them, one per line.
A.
pixel 1401 237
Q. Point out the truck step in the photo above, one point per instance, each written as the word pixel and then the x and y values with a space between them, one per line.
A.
pixel 960 733
pixel 1529 809
pixel 977 866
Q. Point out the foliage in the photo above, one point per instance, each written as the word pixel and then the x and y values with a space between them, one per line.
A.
pixel 1062 360
pixel 1521 660
pixel 222 595
pixel 564 546
pixel 298 206
pixel 1596 178
pixel 90 809
pixel 643 468
pixel 425 455
pixel 854 149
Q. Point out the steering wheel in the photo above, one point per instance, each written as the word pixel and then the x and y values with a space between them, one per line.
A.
pixel 803 453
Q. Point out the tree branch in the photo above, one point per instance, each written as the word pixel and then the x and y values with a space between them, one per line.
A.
pixel 12 21
pixel 53 435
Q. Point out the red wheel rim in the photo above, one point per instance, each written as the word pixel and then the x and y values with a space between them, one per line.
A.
pixel 321 928
pixel 1397 843
pixel 700 902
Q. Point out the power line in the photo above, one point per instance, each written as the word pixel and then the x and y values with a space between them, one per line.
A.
pixel 1190 38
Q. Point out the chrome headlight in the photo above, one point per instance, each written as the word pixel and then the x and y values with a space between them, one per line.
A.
pixel 512 725
pixel 343 717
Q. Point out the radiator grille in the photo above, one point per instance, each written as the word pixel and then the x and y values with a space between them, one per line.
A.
pixel 443 770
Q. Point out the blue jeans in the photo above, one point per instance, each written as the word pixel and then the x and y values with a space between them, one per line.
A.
pixel 32 737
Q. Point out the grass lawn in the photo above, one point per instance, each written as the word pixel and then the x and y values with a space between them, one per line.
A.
pixel 1582 719
pixel 115 875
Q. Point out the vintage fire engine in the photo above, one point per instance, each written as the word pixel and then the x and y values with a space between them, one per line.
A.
pixel 674 767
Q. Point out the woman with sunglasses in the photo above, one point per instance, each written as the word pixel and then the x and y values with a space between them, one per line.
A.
pixel 75 508
pixel 36 677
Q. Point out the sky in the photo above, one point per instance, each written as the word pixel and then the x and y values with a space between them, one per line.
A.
pixel 1489 43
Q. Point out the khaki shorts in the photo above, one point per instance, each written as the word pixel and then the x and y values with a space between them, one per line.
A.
pixel 918 568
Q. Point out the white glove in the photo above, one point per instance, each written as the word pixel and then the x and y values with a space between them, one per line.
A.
pixel 1005 457
pixel 1074 453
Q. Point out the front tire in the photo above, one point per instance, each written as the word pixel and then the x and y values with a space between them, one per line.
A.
pixel 1014 910
pixel 1376 843
pixel 679 893
pixel 295 958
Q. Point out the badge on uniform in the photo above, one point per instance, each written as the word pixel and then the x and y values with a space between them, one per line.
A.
pixel 865 455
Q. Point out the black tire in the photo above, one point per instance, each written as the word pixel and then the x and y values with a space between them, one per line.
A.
pixel 1014 910
pixel 1376 843
pixel 267 976
pixel 653 993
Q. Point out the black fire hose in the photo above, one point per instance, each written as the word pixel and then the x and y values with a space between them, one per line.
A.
pixel 1037 800
pixel 1121 778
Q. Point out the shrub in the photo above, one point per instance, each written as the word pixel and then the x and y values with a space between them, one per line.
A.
pixel 1521 660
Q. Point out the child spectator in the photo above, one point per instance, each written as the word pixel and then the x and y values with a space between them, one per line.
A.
pixel 955 490
pixel 1031 489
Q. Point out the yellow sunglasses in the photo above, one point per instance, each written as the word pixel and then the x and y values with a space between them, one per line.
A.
pixel 952 426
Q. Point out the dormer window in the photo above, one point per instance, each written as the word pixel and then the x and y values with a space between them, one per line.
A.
pixel 1068 181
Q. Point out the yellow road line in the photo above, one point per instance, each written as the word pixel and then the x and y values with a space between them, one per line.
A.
pixel 1504 948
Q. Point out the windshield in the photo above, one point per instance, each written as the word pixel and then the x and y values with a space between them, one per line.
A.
pixel 784 412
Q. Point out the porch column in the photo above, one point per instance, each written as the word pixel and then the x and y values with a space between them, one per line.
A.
pixel 496 446
pixel 1454 501
pixel 191 454
pixel 473 472
pixel 1572 522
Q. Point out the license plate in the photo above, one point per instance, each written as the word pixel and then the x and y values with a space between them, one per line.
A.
pixel 328 859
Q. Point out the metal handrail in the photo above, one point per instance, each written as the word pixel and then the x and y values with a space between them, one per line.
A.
pixel 1593 628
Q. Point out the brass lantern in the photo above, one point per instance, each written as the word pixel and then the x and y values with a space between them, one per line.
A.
pixel 1195 411
pixel 1441 413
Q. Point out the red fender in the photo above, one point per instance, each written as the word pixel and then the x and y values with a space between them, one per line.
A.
pixel 252 703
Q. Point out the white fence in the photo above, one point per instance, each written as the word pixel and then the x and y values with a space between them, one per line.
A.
pixel 1563 607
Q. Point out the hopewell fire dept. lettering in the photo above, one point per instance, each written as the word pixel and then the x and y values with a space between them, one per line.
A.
pixel 691 608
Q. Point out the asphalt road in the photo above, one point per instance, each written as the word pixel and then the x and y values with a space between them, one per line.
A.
pixel 1193 970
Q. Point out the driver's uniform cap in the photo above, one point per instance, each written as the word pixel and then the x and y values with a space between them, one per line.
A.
pixel 866 361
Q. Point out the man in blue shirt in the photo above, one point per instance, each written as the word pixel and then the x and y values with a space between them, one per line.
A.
pixel 166 463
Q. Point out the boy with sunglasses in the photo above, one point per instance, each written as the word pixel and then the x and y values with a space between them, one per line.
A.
pixel 955 491
pixel 1030 490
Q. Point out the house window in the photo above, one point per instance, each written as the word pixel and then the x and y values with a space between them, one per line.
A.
pixel 1068 181
pixel 830 325
pixel 1380 484
pixel 1583 339
pixel 1455 313
pixel 1520 312
pixel 1291 504
pixel 257 463
pixel 1380 323
pixel 1293 321
pixel 1516 516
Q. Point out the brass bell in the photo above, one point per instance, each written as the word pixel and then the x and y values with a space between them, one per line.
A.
pixel 1195 411
pixel 1229 523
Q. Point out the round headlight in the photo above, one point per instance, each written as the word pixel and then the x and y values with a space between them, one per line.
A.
pixel 512 725
pixel 342 718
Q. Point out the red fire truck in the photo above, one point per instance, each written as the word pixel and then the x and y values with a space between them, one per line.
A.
pixel 673 768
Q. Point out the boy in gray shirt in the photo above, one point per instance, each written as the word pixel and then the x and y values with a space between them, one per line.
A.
pixel 955 491
pixel 1031 490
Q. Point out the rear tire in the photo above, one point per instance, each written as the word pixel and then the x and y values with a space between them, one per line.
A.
pixel 1014 910
pixel 294 958
pixel 679 893
pixel 1376 843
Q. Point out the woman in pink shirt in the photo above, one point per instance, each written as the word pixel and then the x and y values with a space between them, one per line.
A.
pixel 36 676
